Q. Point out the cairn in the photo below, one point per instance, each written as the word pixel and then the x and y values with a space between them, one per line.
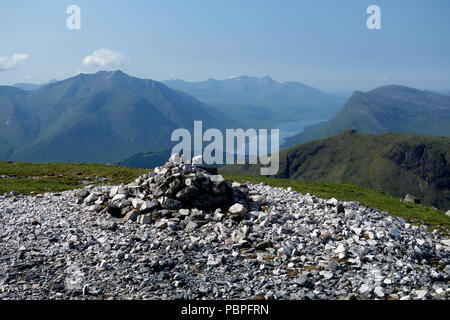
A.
pixel 178 189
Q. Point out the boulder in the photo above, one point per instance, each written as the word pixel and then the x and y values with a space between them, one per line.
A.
pixel 411 198
pixel 237 211
pixel 149 206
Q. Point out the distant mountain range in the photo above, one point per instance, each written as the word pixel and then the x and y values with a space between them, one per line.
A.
pixel 391 162
pixel 32 86
pixel 447 92
pixel 101 117
pixel 386 109
pixel 111 116
pixel 262 102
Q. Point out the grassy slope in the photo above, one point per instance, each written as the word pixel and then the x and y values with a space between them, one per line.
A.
pixel 55 177
pixel 367 197
pixel 367 160
pixel 63 176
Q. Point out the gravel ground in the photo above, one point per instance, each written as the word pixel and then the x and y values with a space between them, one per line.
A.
pixel 295 247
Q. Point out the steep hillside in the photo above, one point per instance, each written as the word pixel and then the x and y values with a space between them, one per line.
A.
pixel 102 117
pixel 19 124
pixel 394 163
pixel 386 109
pixel 32 86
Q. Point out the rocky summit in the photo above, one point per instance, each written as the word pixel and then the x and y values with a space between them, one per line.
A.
pixel 183 232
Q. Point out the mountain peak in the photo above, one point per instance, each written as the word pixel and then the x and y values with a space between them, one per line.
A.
pixel 243 77
pixel 110 73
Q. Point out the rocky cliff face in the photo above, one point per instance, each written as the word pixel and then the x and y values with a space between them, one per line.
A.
pixel 430 166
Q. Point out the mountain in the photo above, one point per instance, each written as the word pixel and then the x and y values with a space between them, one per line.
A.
pixel 446 92
pixel 386 109
pixel 390 162
pixel 101 117
pixel 32 86
pixel 150 159
pixel 263 101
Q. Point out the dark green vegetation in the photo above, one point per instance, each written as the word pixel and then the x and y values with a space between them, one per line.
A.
pixel 102 117
pixel 262 102
pixel 392 162
pixel 55 177
pixel 386 109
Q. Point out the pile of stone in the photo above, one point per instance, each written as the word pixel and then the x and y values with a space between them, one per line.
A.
pixel 178 191
pixel 286 245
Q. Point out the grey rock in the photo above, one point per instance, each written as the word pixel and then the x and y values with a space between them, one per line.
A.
pixel 379 291
pixel 237 210
pixel 144 219
pixel 191 226
pixel 83 193
pixel 91 198
pixel 411 198
pixel 161 224
pixel 365 289
pixel 149 206
pixel 171 204
pixel 131 215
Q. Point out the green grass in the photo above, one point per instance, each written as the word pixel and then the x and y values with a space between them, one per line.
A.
pixel 30 178
pixel 367 197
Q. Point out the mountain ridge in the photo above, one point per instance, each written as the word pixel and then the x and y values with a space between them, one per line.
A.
pixel 249 98
pixel 390 108
pixel 77 118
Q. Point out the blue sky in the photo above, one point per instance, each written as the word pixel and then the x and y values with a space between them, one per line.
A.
pixel 325 44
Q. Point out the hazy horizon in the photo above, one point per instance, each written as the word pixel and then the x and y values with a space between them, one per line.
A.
pixel 341 93
pixel 324 44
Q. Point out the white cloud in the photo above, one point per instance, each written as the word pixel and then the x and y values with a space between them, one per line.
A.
pixel 382 79
pixel 104 57
pixel 28 77
pixel 7 63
